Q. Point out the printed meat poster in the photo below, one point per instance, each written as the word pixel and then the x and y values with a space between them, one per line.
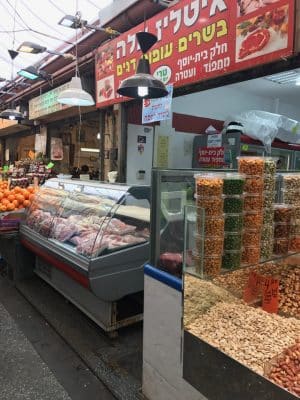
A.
pixel 199 40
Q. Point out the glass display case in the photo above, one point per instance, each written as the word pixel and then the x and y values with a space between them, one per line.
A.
pixel 97 234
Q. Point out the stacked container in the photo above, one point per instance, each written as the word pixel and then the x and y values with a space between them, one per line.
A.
pixel 253 168
pixel 233 209
pixel 210 227
pixel 267 233
pixel 283 214
pixel 290 194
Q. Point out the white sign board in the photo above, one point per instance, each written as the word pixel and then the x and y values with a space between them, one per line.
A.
pixel 158 109
pixel 47 103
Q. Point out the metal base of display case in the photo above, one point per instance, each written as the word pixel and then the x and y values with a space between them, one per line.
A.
pixel 110 316
pixel 218 376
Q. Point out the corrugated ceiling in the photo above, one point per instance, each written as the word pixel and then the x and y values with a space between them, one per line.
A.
pixel 37 21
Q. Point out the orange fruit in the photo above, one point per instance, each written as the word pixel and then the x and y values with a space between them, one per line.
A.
pixel 26 194
pixel 11 197
pixel 26 203
pixel 4 201
pixel 17 189
pixel 31 197
pixel 1 195
pixel 3 208
pixel 10 207
pixel 6 192
pixel 16 203
pixel 30 189
pixel 20 198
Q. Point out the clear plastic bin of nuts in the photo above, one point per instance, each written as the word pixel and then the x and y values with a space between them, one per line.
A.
pixel 251 165
pixel 232 241
pixel 233 204
pixel 283 212
pixel 266 249
pixel 268 215
pixel 232 259
pixel 269 199
pixel 251 237
pixel 253 202
pixel 208 266
pixel 250 255
pixel 253 219
pixel 234 222
pixel 270 165
pixel 234 183
pixel 212 205
pixel 209 184
pixel 291 196
pixel 281 246
pixel 291 182
pixel 282 230
pixel 254 184
pixel 212 245
pixel 211 225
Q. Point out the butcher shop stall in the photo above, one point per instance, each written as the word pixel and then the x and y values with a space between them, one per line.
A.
pixel 90 242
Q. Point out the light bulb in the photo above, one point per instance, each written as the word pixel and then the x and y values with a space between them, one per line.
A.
pixel 99 135
pixel 12 117
pixel 143 91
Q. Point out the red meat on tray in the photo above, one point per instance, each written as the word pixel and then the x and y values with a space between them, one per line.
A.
pixel 256 41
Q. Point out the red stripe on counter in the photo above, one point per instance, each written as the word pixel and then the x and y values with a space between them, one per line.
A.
pixel 75 275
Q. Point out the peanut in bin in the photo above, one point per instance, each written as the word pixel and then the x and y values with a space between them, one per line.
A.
pixel 209 186
pixel 251 165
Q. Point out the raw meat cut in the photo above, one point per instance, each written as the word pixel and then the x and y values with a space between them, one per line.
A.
pixel 254 42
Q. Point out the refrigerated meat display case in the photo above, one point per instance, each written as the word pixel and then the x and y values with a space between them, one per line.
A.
pixel 91 241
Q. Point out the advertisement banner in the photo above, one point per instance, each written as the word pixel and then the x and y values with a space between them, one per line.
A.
pixel 199 40
pixel 158 109
pixel 211 156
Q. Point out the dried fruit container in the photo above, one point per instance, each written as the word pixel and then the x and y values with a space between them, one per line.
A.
pixel 253 219
pixel 231 259
pixel 267 231
pixel 212 245
pixel 254 184
pixel 281 246
pixel 283 213
pixel 209 184
pixel 295 228
pixel 250 255
pixel 234 222
pixel 232 241
pixel 234 183
pixel 233 204
pixel 212 205
pixel 251 237
pixel 251 165
pixel 253 202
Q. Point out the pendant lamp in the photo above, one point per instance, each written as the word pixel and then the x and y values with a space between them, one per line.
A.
pixel 12 113
pixel 143 84
pixel 75 95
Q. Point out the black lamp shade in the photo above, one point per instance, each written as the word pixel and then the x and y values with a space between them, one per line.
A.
pixel 146 40
pixel 12 114
pixel 143 78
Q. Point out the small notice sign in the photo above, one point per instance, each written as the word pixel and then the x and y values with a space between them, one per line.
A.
pixel 270 294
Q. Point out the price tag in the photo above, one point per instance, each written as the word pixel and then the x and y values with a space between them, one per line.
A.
pixel 50 165
pixel 253 288
pixel 245 147
pixel 270 295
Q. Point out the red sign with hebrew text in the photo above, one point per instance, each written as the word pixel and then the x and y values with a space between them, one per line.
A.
pixel 198 40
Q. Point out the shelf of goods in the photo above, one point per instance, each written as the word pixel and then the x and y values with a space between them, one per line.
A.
pixel 242 283
pixel 91 241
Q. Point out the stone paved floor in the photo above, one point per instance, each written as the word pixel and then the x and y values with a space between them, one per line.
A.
pixel 23 374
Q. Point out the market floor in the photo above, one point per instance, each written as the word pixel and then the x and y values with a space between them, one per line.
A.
pixel 53 356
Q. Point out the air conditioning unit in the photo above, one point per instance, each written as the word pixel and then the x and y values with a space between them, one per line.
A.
pixel 166 3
